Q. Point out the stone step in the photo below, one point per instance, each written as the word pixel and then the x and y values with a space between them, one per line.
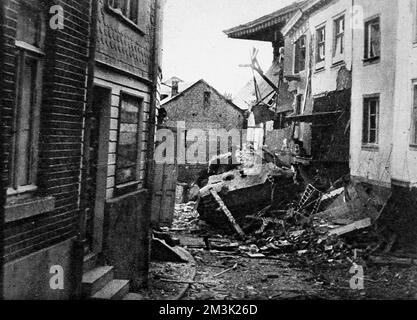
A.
pixel 114 290
pixel 134 297
pixel 90 262
pixel 96 279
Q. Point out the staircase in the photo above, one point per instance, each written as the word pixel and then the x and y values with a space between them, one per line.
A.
pixel 99 284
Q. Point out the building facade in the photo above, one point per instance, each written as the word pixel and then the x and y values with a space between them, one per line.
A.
pixel 43 104
pixel 318 65
pixel 121 137
pixel 384 104
pixel 383 94
pixel 79 105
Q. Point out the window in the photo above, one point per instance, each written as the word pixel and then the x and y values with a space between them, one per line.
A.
pixel 339 37
pixel 207 98
pixel 321 45
pixel 127 8
pixel 372 39
pixel 128 151
pixel 300 55
pixel 414 117
pixel 370 121
pixel 24 154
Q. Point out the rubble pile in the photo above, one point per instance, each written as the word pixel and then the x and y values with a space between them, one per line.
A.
pixel 330 227
pixel 186 217
pixel 272 213
pixel 310 239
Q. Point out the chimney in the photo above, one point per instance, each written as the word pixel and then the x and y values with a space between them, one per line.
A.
pixel 174 88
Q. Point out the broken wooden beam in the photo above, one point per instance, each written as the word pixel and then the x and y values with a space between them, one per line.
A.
pixel 361 224
pixel 227 213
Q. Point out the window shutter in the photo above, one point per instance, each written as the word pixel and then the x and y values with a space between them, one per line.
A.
pixel 365 130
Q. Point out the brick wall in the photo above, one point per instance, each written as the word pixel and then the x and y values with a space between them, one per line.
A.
pixel 63 102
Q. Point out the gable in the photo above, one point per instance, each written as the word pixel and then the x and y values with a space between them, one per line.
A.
pixel 191 106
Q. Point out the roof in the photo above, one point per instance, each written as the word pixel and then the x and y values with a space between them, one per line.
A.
pixel 166 101
pixel 250 29
pixel 166 87
pixel 305 10
pixel 247 94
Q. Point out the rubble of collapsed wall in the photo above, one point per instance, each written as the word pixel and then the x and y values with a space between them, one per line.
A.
pixel 266 209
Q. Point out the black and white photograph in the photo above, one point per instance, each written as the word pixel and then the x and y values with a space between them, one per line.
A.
pixel 221 152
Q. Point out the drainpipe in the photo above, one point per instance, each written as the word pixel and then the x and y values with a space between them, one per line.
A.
pixel 81 236
pixel 2 155
pixel 150 171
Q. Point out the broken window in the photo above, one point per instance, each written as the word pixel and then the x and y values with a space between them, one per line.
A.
pixel 300 55
pixel 129 140
pixel 372 39
pixel 321 45
pixel 127 8
pixel 339 37
pixel 414 117
pixel 23 159
pixel 370 120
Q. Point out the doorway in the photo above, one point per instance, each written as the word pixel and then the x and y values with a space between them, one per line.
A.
pixel 97 170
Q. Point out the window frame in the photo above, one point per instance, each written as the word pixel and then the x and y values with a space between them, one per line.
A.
pixel 297 65
pixel 125 16
pixel 413 133
pixel 123 188
pixel 367 39
pixel 366 143
pixel 339 56
pixel 25 52
pixel 320 63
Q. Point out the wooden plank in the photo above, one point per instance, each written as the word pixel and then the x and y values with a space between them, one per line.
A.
pixel 361 224
pixel 227 213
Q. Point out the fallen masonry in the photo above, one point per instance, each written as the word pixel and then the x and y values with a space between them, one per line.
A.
pixel 262 211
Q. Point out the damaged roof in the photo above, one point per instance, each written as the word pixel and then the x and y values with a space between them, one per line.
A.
pixel 252 29
pixel 247 94
pixel 306 9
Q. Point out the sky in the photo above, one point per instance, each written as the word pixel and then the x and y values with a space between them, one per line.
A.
pixel 195 46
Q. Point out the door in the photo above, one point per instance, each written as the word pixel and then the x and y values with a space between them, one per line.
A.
pixel 165 184
pixel 97 170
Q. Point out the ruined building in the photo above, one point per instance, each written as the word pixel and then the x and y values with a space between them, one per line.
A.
pixel 351 66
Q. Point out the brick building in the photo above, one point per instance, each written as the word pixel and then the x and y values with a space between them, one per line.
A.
pixel 43 102
pixel 78 103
